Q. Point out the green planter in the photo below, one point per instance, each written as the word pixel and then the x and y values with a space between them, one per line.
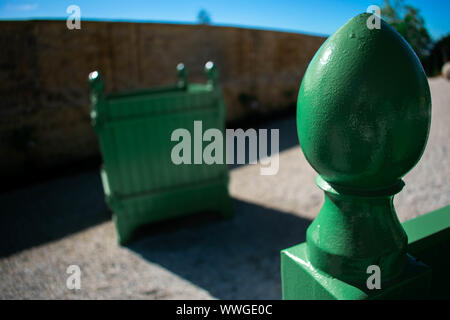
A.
pixel 141 183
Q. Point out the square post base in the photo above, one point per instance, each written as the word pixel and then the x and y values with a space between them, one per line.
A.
pixel 301 281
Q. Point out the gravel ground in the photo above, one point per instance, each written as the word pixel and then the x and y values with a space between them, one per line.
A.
pixel 48 227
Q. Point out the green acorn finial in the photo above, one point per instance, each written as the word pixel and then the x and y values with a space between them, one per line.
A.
pixel 363 117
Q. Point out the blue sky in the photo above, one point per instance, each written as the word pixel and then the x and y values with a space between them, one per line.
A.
pixel 311 16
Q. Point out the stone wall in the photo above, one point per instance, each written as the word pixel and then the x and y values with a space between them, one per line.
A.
pixel 44 114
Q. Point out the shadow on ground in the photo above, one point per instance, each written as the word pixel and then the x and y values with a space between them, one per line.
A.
pixel 50 211
pixel 237 258
pixel 231 259
pixel 287 137
pixel 53 209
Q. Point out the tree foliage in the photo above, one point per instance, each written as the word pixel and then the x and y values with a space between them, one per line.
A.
pixel 203 17
pixel 410 24
pixel 439 55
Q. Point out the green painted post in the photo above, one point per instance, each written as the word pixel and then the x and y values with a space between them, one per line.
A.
pixel 363 117
pixel 182 76
pixel 97 99
pixel 211 73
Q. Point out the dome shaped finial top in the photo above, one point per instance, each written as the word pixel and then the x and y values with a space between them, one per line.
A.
pixel 364 107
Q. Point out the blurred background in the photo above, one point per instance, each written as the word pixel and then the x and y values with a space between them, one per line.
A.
pixel 52 207
pixel 262 50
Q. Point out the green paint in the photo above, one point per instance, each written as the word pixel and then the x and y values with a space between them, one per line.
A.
pixel 211 73
pixel 353 232
pixel 363 117
pixel 141 183
pixel 364 107
pixel 423 226
pixel 302 281
pixel 429 241
pixel 182 76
